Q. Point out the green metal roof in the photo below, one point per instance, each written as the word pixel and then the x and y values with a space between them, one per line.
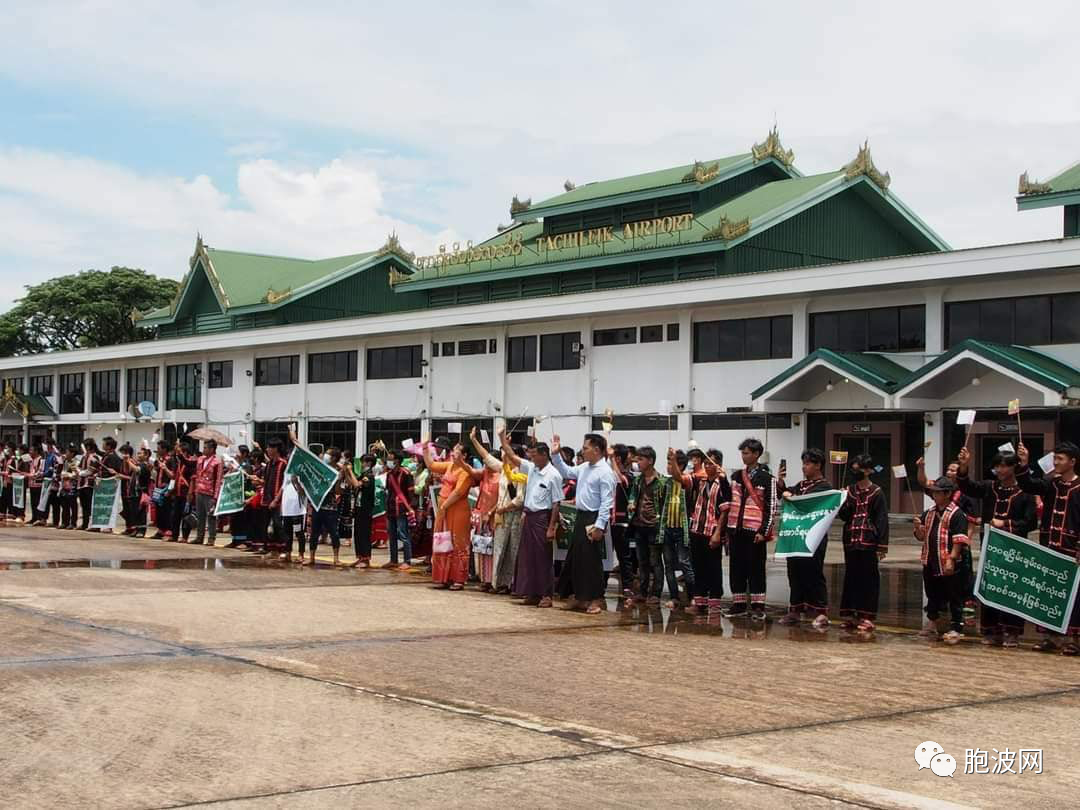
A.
pixel 253 280
pixel 1028 363
pixel 716 229
pixel 648 181
pixel 1061 189
pixel 873 369
pixel 32 405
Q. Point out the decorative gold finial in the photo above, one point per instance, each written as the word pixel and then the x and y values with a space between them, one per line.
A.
pixel 700 173
pixel 863 164
pixel 727 230
pixel 518 207
pixel 1028 186
pixel 771 147
pixel 393 246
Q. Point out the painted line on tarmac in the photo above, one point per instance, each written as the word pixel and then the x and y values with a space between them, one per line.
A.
pixel 812 783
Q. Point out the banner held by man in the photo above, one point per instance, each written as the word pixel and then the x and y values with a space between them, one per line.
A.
pixel 804 522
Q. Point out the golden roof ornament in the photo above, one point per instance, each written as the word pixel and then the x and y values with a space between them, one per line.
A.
pixel 569 185
pixel 518 206
pixel 700 173
pixel 727 230
pixel 397 276
pixel 274 296
pixel 863 164
pixel 393 247
pixel 1028 186
pixel 772 148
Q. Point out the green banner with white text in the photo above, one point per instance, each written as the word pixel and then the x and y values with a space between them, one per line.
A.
pixel 1026 579
pixel 106 503
pixel 231 497
pixel 317 477
pixel 804 522
pixel 18 491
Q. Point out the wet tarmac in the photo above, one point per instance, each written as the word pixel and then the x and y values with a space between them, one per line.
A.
pixel 139 674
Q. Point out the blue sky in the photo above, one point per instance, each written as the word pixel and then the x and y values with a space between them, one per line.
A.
pixel 316 131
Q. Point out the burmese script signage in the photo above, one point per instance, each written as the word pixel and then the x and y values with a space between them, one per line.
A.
pixel 513 246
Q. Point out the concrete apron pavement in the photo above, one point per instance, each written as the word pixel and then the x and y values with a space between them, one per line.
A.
pixel 145 682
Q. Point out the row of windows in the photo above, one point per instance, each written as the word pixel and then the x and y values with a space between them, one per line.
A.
pixel 1031 321
pixel 465 348
pixel 629 334
pixel 742 339
pixel 560 351
pixel 887 329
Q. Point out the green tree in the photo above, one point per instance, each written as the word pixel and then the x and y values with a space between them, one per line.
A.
pixel 90 308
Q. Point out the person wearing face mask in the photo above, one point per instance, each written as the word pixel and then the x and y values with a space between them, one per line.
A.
pixel 865 516
pixel 450 569
pixel 400 511
pixel 364 490
pixel 806 575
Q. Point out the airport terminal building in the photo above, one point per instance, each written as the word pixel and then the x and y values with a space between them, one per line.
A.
pixel 712 301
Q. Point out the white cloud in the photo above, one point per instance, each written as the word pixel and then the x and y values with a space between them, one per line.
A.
pixel 62 213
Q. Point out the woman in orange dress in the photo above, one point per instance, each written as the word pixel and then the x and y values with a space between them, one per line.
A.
pixel 450 569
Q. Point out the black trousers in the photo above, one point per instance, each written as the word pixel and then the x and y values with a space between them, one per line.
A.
pixel 176 518
pixel 946 593
pixel 583 572
pixel 33 494
pixel 708 567
pixel 747 567
pixel 862 584
pixel 135 514
pixel 806 576
pixel 628 561
pixel 69 509
pixel 645 537
pixel 86 500
pixel 361 528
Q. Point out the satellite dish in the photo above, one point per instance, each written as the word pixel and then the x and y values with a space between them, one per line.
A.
pixel 147 408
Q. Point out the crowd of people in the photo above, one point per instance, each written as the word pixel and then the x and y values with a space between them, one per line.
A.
pixel 495 514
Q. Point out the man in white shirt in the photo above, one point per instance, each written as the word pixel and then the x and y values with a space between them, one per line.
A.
pixel 583 572
pixel 535 578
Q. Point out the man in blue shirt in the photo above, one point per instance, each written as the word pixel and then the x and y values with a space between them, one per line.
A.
pixel 583 573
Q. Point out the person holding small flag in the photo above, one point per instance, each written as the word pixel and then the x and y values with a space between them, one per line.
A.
pixel 750 522
pixel 1004 506
pixel 806 575
pixel 865 516
pixel 943 531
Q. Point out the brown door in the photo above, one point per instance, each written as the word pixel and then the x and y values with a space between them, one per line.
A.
pixel 880 440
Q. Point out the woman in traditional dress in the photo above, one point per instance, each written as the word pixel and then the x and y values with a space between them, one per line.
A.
pixel 450 569
pixel 486 477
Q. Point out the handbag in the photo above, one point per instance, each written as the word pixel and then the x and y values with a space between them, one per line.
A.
pixel 483 543
pixel 442 543
pixel 159 495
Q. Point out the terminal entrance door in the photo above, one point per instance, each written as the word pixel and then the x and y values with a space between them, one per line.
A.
pixel 880 440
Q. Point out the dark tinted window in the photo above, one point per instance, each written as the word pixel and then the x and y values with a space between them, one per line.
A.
pixel 182 387
pixel 395 362
pixel 71 393
pixel 105 391
pixel 470 347
pixel 521 353
pixel 448 349
pixel 560 351
pixel 887 329
pixel 284 370
pixel 42 385
pixel 327 367
pixel 652 334
pixel 142 385
pixel 1031 320
pixel 219 374
pixel 672 331
pixel 1066 318
pixel 617 337
pixel 742 339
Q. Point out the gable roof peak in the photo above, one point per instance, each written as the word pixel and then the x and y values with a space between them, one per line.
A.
pixel 863 164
